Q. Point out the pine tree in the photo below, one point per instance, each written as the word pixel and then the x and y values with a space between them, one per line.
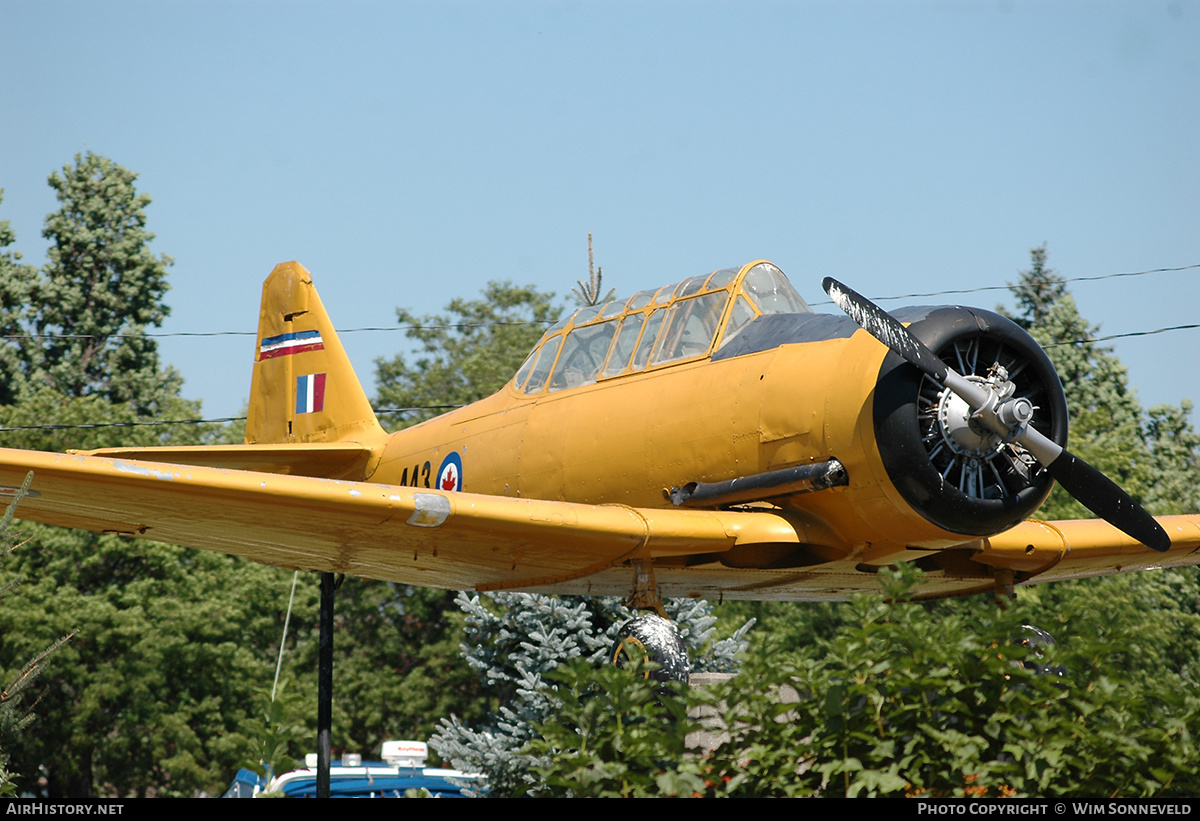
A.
pixel 1105 415
pixel 1037 290
pixel 99 292
pixel 1175 455
pixel 16 281
pixel 588 293
pixel 170 642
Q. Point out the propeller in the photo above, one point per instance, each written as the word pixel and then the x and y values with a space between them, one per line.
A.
pixel 1008 416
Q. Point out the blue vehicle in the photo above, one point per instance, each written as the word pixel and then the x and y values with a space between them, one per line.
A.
pixel 402 769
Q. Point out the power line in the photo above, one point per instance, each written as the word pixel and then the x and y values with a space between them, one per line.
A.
pixel 164 334
pixel 149 423
pixel 1122 336
pixel 985 288
pixel 168 422
pixel 526 322
pixel 416 408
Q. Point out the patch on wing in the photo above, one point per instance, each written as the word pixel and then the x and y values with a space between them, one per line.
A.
pixel 430 510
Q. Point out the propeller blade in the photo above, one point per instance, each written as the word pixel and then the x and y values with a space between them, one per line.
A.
pixel 1090 487
pixel 886 328
pixel 1103 497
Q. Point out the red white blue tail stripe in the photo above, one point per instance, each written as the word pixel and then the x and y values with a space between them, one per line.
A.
pixel 288 344
pixel 310 393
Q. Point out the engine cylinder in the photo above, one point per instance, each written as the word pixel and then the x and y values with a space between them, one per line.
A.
pixel 951 469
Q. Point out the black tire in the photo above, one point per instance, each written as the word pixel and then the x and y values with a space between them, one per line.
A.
pixel 653 638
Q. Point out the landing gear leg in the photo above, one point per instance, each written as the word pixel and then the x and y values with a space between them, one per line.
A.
pixel 645 591
pixel 1004 588
pixel 651 636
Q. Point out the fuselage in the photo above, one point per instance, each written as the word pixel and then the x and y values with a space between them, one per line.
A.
pixel 716 430
pixel 779 389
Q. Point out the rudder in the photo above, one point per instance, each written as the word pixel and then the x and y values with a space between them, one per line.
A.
pixel 304 388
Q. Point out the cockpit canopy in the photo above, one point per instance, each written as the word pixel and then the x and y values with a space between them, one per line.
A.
pixel 675 323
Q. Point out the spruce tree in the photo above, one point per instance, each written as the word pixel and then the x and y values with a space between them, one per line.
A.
pixel 1175 455
pixel 1105 415
pixel 1036 290
pixel 515 640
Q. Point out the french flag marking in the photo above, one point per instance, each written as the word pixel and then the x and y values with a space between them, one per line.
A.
pixel 310 393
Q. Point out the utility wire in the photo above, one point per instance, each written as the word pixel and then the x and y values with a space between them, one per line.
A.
pixel 163 335
pixel 167 422
pixel 1067 280
pixel 1121 336
pixel 524 322
pixel 146 424
pixel 391 411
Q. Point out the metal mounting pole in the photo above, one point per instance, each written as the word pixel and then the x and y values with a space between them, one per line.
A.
pixel 325 686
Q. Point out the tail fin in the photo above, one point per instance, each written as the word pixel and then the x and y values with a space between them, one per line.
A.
pixel 304 388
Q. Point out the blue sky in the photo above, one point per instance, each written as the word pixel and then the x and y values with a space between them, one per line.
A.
pixel 407 153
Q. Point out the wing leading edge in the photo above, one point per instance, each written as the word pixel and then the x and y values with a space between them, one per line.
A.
pixel 402 534
pixel 470 541
pixel 1060 550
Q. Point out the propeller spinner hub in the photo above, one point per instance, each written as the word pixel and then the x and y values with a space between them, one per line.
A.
pixel 962 432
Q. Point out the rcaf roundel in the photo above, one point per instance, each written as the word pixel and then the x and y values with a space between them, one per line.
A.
pixel 449 476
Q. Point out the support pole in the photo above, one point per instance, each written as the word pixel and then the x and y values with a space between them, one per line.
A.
pixel 325 686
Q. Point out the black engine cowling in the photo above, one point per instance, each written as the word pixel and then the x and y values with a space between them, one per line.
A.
pixel 951 470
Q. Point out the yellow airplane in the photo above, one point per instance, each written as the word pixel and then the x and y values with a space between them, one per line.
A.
pixel 712 438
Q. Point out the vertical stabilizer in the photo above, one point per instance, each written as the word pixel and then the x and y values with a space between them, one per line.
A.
pixel 304 388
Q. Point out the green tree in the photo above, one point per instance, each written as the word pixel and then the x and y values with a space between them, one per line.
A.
pixel 397 666
pixel 16 281
pixel 101 289
pixel 15 715
pixel 1175 459
pixel 153 694
pixel 1036 290
pixel 902 701
pixel 170 643
pixel 1105 416
pixel 466 354
pixel 516 640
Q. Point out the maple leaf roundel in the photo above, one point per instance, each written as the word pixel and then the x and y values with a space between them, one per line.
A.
pixel 449 476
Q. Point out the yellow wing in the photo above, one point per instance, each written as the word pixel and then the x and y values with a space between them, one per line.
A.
pixel 1086 547
pixel 472 541
pixel 402 534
